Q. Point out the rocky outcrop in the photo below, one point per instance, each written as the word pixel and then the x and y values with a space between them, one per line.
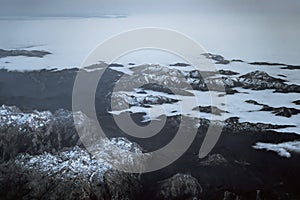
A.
pixel 218 58
pixel 120 185
pixel 228 72
pixel 291 67
pixel 256 80
pixel 297 102
pixel 156 78
pixel 233 124
pixel 214 160
pixel 27 53
pixel 285 66
pixel 41 158
pixel 36 132
pixel 259 80
pixel 180 65
pixel 204 74
pixel 115 65
pixel 123 100
pixel 179 186
pixel 70 174
pixel 210 109
pixel 279 111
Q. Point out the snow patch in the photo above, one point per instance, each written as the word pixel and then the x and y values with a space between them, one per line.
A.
pixel 282 149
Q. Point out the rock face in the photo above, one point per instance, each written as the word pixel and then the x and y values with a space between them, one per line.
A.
pixel 36 132
pixel 41 159
pixel 71 174
pixel 54 176
pixel 27 53
pixel 120 185
pixel 179 186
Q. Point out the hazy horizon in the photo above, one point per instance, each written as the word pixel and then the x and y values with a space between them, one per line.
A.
pixel 129 7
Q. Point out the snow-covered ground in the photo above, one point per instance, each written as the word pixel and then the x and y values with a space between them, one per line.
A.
pixel 235 104
pixel 71 39
pixel 283 149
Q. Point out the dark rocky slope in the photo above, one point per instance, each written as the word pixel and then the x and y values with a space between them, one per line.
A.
pixel 49 162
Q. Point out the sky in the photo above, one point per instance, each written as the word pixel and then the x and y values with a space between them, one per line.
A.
pixel 264 30
pixel 129 7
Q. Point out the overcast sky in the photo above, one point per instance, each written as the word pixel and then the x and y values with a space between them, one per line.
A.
pixel 98 7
